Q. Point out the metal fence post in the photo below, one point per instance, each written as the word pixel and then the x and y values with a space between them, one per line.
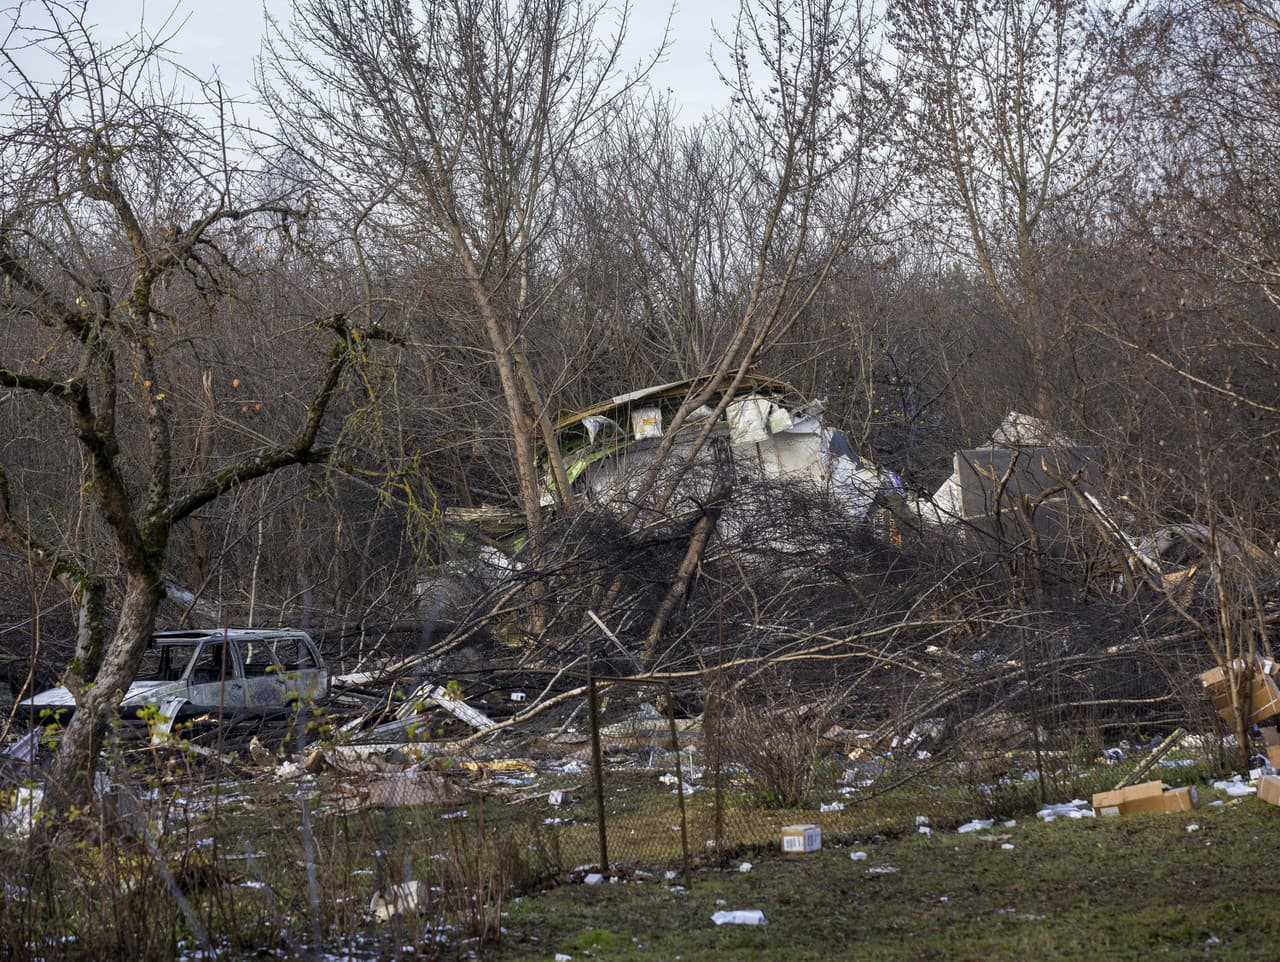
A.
pixel 597 769
pixel 675 745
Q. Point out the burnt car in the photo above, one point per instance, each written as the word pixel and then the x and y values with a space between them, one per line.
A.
pixel 224 673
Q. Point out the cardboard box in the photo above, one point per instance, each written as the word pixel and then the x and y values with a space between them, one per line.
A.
pixel 1119 802
pixel 801 838
pixel 1269 789
pixel 1174 800
pixel 1273 756
pixel 1270 735
pixel 1145 797
pixel 1261 700
pixel 1107 803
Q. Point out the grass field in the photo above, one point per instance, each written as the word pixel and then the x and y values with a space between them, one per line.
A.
pixel 1143 887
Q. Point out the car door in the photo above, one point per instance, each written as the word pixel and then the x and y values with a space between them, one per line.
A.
pixel 300 671
pixel 214 677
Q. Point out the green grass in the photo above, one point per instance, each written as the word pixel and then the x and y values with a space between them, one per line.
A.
pixel 1136 888
pixel 246 871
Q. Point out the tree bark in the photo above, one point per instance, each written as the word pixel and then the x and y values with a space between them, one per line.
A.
pixel 71 775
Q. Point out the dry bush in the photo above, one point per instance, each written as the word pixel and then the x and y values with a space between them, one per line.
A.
pixel 775 736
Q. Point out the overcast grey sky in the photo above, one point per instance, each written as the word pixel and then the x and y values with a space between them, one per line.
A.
pixel 224 37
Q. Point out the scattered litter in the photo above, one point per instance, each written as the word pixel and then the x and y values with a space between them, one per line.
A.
pixel 976 825
pixel 24 750
pixel 831 807
pixel 740 917
pixel 669 875
pixel 881 870
pixel 1217 803
pixel 561 957
pixel 1076 808
pixel 1193 827
pixel 594 878
pixel 1236 787
pixel 745 867
pixel 518 696
pixel 289 771
pixel 410 788
pixel 925 830
pixel 556 797
pixel 397 900
pixel 18 821
pixel 1010 824
pixel 858 856
pixel 1007 846
pixel 922 819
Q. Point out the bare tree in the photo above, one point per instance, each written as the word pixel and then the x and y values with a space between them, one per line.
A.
pixel 457 118
pixel 119 194
pixel 803 172
pixel 1018 108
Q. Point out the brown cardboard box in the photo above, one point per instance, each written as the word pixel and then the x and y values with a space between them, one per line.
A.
pixel 1262 699
pixel 1120 802
pixel 1140 797
pixel 801 838
pixel 1270 735
pixel 1273 756
pixel 1174 800
pixel 1269 789
pixel 1107 803
pixel 1145 797
pixel 1216 678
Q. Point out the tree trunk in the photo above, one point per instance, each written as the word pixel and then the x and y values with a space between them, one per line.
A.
pixel 699 537
pixel 71 775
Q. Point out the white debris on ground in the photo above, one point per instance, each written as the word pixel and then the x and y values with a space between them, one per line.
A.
pixel 858 856
pixel 1076 808
pixel 881 870
pixel 831 807
pixel 18 821
pixel 745 867
pixel 397 900
pixel 977 825
pixel 1236 787
pixel 740 917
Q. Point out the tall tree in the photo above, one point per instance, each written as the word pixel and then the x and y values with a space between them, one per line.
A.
pixel 458 119
pixel 1017 110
